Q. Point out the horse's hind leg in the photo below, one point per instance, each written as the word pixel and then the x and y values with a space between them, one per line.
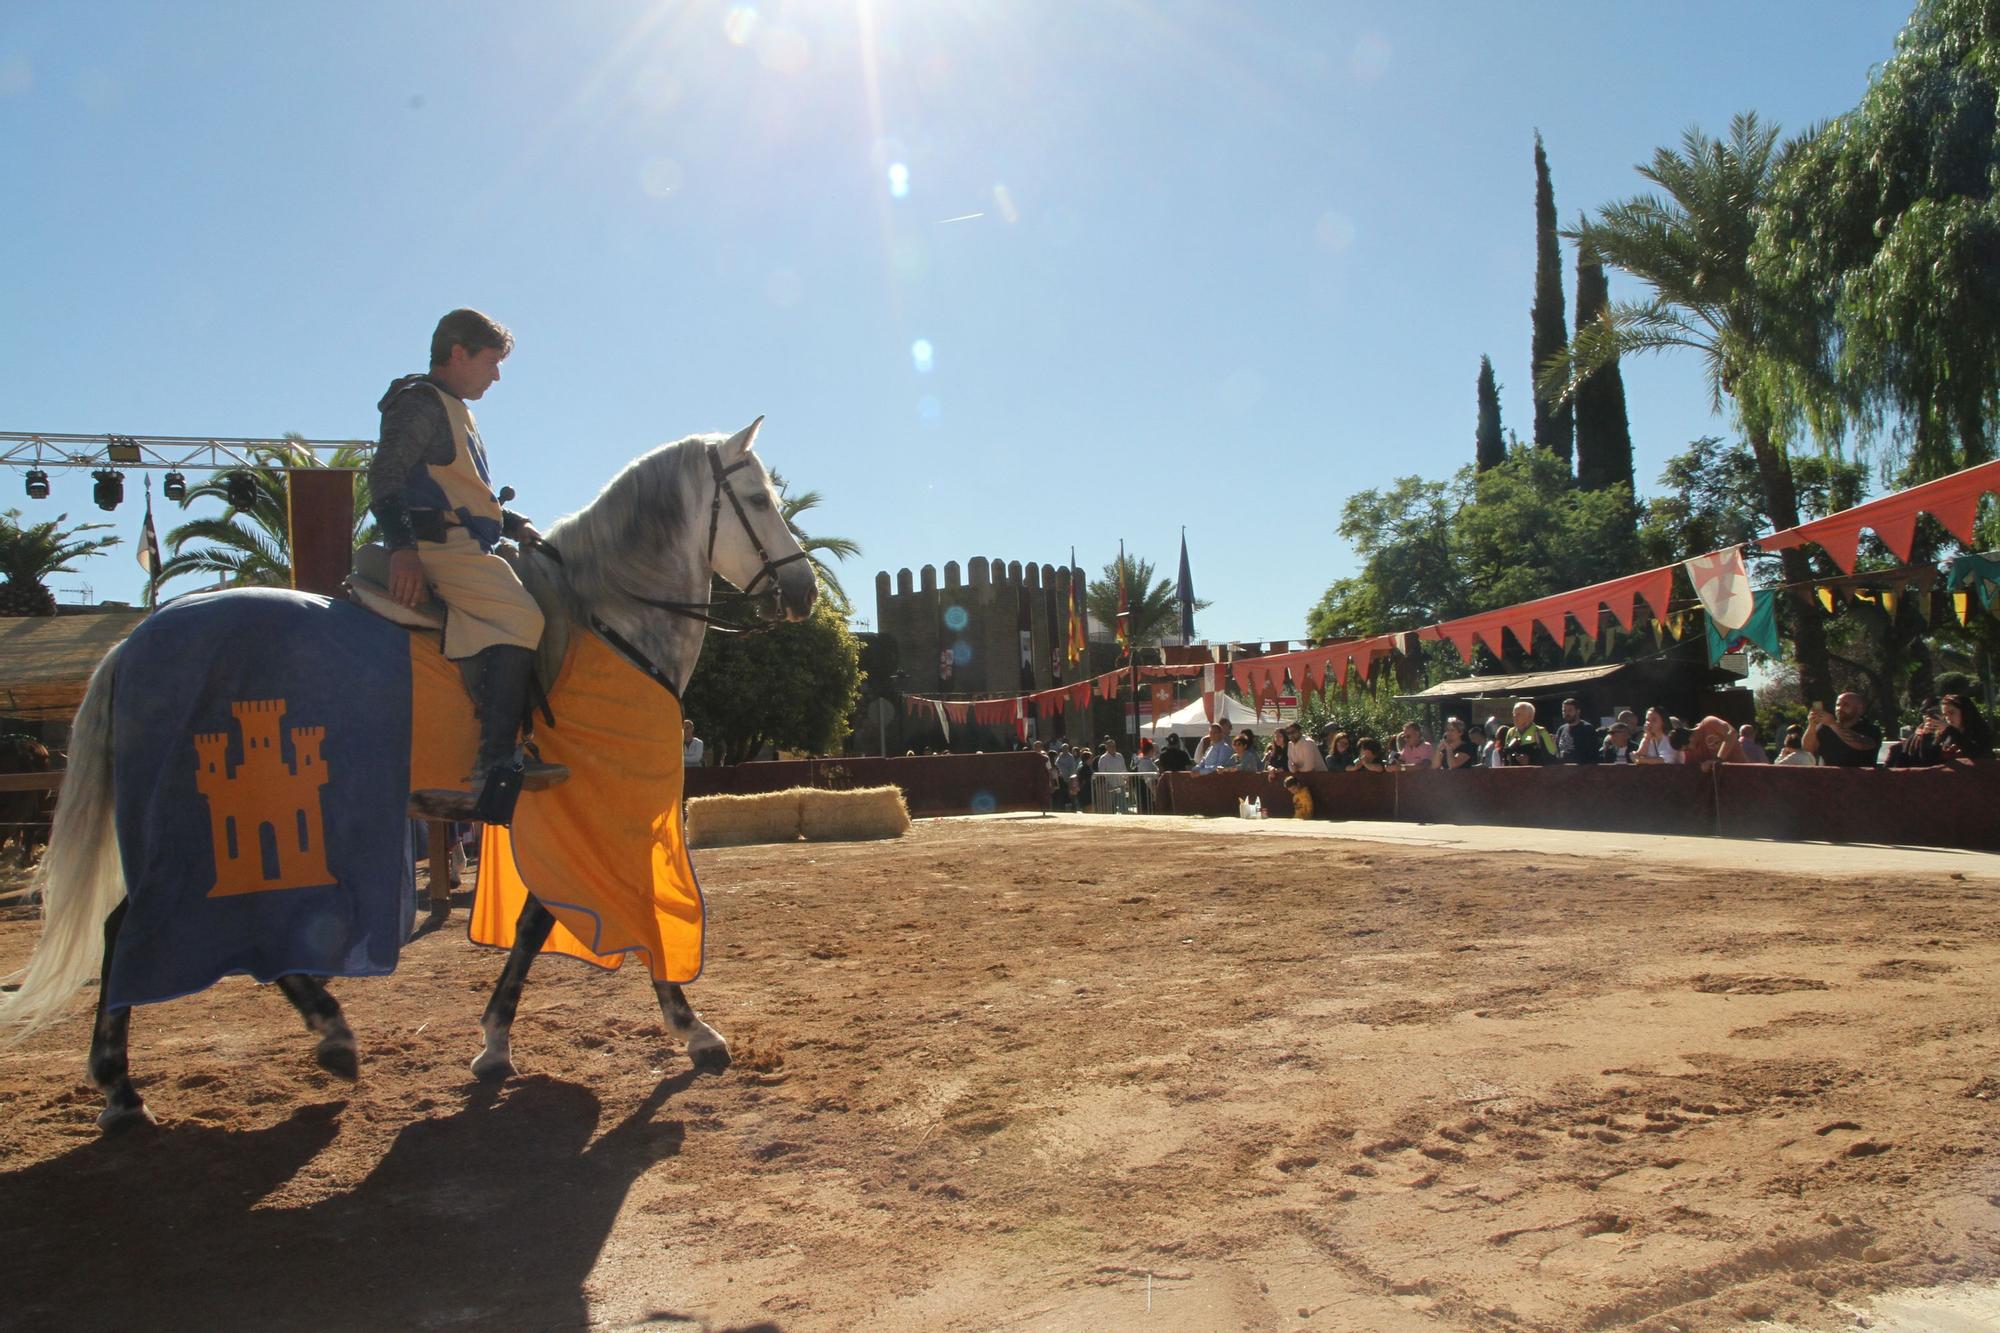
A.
pixel 123 1107
pixel 531 931
pixel 706 1047
pixel 336 1052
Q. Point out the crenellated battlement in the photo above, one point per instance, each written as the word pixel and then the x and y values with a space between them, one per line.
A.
pixel 959 630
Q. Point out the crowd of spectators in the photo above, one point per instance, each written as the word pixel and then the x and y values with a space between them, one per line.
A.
pixel 1952 730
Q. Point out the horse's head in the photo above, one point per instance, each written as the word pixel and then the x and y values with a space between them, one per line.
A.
pixel 754 546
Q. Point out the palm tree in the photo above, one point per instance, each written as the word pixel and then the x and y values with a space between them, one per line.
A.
pixel 791 506
pixel 31 552
pixel 253 547
pixel 1691 245
pixel 1153 609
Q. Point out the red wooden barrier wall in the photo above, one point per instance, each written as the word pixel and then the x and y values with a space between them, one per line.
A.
pixel 943 784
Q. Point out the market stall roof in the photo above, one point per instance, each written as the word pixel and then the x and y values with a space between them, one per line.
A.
pixel 46 661
pixel 1526 682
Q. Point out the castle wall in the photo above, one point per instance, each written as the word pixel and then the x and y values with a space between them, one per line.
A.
pixel 978 617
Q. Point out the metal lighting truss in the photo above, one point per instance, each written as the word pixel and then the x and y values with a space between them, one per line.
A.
pixel 43 449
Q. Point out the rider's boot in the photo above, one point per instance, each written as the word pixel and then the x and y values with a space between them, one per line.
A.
pixel 500 700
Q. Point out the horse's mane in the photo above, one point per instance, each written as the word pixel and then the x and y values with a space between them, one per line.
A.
pixel 630 539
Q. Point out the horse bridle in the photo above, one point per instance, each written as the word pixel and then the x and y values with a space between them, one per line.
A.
pixel 748 594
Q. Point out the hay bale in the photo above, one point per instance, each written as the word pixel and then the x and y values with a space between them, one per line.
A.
pixel 732 821
pixel 846 816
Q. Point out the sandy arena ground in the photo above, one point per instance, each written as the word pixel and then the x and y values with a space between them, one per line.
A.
pixel 1070 1074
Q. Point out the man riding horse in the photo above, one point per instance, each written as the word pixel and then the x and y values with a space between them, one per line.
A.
pixel 434 504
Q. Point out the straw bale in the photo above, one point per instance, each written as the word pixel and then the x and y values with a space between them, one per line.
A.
pixel 846 816
pixel 727 821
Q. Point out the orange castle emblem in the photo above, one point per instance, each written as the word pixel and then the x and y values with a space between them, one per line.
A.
pixel 264 818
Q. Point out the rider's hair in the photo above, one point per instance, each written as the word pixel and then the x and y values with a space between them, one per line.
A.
pixel 472 331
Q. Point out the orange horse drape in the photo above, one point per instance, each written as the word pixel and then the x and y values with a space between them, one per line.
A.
pixel 604 852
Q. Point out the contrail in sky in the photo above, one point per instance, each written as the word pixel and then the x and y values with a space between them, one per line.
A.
pixel 963 217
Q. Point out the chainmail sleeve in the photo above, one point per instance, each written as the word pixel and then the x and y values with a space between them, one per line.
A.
pixel 414 430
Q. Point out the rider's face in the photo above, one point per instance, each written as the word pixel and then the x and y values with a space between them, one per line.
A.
pixel 471 374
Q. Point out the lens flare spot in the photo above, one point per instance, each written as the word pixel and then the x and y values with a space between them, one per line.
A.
pixel 740 24
pixel 929 409
pixel 983 803
pixel 899 181
pixel 923 356
pixel 17 77
pixel 1370 58
pixel 1003 202
pixel 784 51
pixel 955 618
pixel 783 289
pixel 659 177
pixel 1334 231
pixel 961 653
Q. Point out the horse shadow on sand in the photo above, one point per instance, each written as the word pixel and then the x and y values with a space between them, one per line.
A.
pixel 491 1217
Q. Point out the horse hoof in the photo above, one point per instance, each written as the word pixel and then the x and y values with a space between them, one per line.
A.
pixel 118 1119
pixel 490 1068
pixel 710 1059
pixel 341 1061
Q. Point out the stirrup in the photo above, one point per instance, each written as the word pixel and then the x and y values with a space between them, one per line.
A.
pixel 491 797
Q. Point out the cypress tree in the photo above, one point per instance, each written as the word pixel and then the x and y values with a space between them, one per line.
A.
pixel 1489 447
pixel 1603 433
pixel 1554 426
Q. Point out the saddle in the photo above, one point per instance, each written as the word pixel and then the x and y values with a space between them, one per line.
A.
pixel 367 586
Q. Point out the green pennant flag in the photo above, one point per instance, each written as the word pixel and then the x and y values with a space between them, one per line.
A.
pixel 1761 631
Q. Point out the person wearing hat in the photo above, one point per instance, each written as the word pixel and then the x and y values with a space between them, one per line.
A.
pixel 1174 758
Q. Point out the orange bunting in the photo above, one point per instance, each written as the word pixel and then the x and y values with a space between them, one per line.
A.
pixel 1953 501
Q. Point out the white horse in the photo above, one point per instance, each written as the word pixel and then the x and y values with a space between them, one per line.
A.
pixel 633 567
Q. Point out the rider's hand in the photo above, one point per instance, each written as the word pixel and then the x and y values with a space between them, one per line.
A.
pixel 526 535
pixel 406 577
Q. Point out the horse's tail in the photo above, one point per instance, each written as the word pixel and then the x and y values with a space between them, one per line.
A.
pixel 80 877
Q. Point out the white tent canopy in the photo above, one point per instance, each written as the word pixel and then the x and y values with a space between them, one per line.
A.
pixel 1190 723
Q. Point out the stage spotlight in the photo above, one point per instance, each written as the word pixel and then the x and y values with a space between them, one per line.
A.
pixel 38 484
pixel 110 489
pixel 174 487
pixel 241 489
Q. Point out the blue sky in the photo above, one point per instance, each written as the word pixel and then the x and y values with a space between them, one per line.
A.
pixel 1231 263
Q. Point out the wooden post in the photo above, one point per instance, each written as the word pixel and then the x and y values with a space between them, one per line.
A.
pixel 320 502
pixel 440 861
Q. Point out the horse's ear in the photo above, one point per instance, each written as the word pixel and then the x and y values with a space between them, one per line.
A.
pixel 740 443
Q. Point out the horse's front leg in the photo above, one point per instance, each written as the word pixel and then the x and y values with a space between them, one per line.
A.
pixel 123 1107
pixel 706 1047
pixel 531 931
pixel 336 1052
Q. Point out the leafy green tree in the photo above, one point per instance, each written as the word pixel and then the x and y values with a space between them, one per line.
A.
pixel 1885 226
pixel 1554 425
pixel 1530 532
pixel 253 547
pixel 1603 431
pixel 1691 246
pixel 1437 550
pixel 1711 497
pixel 1409 569
pixel 1154 612
pixel 1489 446
pixel 30 552
pixel 840 548
pixel 792 686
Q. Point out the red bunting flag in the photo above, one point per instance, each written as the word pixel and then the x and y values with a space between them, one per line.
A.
pixel 1953 501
